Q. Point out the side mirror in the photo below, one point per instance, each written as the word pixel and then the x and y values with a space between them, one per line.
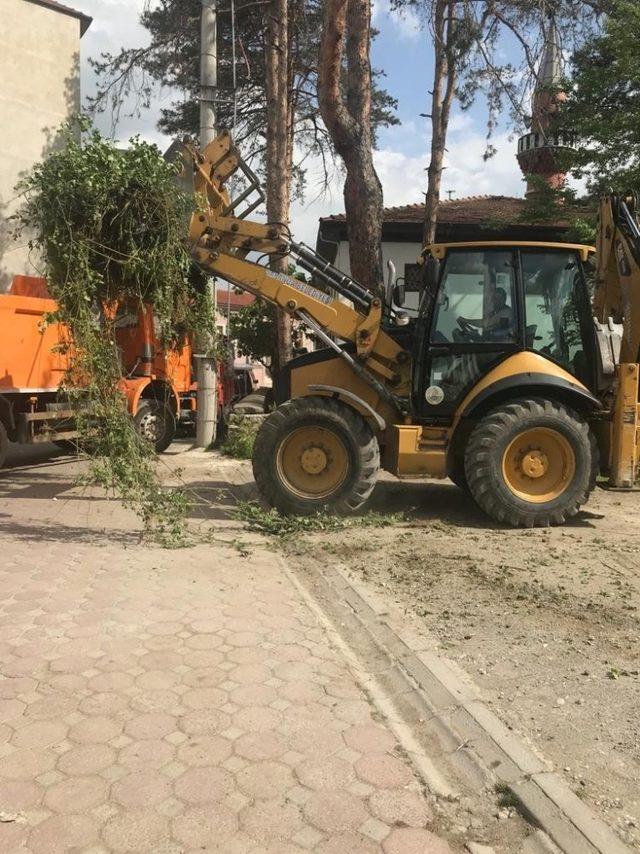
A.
pixel 391 277
pixel 399 292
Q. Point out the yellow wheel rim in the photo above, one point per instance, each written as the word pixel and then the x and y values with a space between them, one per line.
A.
pixel 313 462
pixel 538 465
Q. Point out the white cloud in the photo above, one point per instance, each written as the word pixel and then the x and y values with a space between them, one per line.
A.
pixel 116 25
pixel 470 175
pixel 404 177
pixel 460 121
pixel 406 23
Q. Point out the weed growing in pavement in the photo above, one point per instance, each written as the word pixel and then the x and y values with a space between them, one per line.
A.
pixel 241 548
pixel 274 523
pixel 239 441
pixel 506 797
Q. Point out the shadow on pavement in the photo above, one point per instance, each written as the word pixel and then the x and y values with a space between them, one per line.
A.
pixel 34 455
pixel 23 483
pixel 216 499
pixel 59 533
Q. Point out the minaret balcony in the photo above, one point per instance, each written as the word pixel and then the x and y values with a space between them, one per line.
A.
pixel 536 140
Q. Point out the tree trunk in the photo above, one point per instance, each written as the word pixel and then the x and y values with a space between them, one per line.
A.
pixel 279 149
pixel 364 209
pixel 347 30
pixel 444 81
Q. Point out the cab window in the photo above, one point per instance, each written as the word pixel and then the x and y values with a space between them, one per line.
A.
pixel 553 290
pixel 476 298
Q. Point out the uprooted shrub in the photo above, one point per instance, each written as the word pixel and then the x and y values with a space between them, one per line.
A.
pixel 108 225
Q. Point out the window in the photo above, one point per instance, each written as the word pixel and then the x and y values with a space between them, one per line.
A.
pixel 553 291
pixel 476 298
pixel 412 277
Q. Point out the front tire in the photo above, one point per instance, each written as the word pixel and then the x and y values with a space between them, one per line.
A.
pixel 313 453
pixel 531 463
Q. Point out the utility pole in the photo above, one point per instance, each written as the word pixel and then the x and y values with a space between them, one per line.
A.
pixel 207 410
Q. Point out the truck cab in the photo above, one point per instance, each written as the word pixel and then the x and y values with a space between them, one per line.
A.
pixel 484 303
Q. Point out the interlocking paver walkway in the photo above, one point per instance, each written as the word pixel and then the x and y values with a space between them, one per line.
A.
pixel 182 701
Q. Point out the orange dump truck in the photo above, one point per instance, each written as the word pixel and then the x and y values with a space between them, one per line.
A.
pixel 157 383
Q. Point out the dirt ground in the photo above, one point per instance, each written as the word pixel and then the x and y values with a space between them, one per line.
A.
pixel 546 622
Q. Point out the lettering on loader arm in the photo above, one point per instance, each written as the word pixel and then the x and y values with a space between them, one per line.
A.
pixel 303 287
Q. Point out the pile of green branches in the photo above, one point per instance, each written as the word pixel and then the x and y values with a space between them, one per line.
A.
pixel 108 225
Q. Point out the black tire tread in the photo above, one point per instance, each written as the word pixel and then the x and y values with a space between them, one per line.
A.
pixel 479 470
pixel 4 445
pixel 332 412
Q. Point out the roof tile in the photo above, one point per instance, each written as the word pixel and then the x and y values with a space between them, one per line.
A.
pixel 233 299
pixel 467 211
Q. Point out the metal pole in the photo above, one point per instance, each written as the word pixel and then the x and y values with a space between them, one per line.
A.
pixel 207 410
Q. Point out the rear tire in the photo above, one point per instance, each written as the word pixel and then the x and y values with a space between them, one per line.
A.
pixel 531 463
pixel 314 453
pixel 156 422
pixel 4 445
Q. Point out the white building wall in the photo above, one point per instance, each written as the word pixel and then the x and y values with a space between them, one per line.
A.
pixel 39 89
pixel 399 253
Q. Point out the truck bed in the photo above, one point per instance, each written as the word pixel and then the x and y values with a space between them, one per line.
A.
pixel 29 360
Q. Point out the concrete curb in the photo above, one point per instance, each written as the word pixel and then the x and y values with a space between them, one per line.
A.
pixel 427 770
pixel 424 693
pixel 501 755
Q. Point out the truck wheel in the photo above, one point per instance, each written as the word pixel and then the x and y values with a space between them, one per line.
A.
pixel 315 452
pixel 155 422
pixel 4 445
pixel 531 463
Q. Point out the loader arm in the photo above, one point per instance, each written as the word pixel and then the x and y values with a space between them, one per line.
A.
pixel 221 237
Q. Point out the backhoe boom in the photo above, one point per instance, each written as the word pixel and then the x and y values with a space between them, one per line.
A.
pixel 617 301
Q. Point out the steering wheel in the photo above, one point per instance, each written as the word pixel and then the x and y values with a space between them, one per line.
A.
pixel 467 329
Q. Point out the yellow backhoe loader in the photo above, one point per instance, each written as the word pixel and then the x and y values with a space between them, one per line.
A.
pixel 518 378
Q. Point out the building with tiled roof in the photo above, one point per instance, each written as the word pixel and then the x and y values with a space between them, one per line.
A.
pixel 233 299
pixel 471 218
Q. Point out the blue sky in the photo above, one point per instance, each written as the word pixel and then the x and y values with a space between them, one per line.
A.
pixel 403 50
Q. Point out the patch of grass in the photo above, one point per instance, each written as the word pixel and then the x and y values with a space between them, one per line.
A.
pixel 241 548
pixel 506 798
pixel 274 523
pixel 239 442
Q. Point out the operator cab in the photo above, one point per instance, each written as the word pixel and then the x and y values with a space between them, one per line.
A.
pixel 482 303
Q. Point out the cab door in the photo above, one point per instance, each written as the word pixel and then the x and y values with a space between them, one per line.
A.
pixel 473 322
